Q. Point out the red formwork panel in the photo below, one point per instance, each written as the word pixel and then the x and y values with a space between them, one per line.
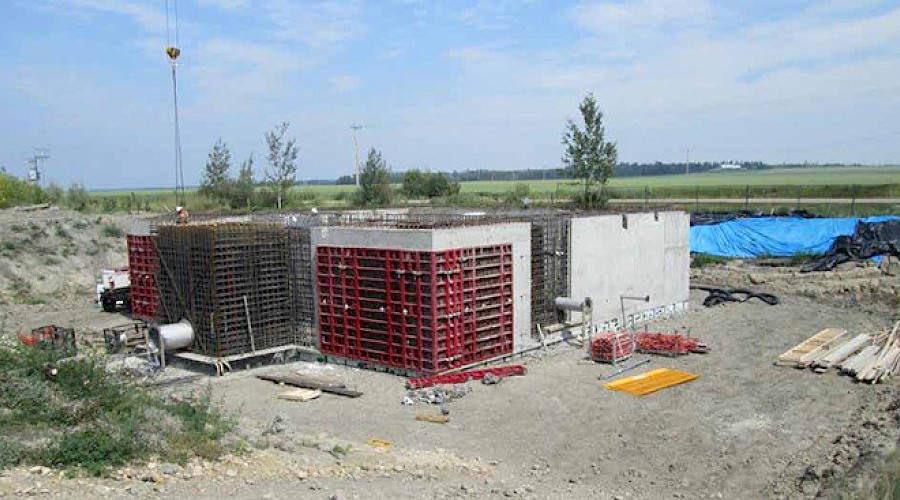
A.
pixel 415 310
pixel 143 268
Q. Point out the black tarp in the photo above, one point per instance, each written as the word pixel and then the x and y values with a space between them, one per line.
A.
pixel 870 239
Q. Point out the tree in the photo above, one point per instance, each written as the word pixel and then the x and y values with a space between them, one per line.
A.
pixel 242 192
pixel 413 183
pixel 418 184
pixel 374 182
pixel 215 177
pixel 588 155
pixel 282 161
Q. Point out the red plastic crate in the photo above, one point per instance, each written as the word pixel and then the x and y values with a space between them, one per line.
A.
pixel 420 311
pixel 143 268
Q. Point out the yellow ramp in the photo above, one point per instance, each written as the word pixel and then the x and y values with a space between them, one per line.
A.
pixel 652 381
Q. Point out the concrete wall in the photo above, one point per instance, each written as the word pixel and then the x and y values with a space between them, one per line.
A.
pixel 519 235
pixel 410 239
pixel 633 254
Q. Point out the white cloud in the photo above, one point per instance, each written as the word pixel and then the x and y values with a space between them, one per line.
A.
pixel 228 5
pixel 606 17
pixel 344 83
pixel 321 25
pixel 148 15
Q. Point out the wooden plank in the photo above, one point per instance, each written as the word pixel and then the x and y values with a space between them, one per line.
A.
pixel 809 346
pixel 300 394
pixel 309 383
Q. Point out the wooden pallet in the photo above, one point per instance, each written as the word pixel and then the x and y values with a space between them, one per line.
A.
pixel 806 352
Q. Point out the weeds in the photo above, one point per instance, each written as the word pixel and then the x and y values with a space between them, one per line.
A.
pixel 111 231
pixel 94 418
pixel 17 228
pixel 62 233
pixel 701 260
pixel 80 225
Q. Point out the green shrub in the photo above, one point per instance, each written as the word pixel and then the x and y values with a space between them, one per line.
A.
pixel 111 231
pixel 96 419
pixel 701 260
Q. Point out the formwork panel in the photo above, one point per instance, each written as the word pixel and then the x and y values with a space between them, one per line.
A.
pixel 143 268
pixel 415 310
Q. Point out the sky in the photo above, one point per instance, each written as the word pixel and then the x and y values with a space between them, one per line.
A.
pixel 443 85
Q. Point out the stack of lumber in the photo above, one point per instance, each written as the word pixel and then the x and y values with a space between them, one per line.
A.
pixel 867 358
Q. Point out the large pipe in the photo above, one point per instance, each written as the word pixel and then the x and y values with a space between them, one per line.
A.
pixel 572 304
pixel 172 337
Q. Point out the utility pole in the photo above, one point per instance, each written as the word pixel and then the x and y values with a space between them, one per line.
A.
pixel 356 129
pixel 687 164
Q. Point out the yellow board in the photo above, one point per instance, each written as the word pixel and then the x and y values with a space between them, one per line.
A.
pixel 652 381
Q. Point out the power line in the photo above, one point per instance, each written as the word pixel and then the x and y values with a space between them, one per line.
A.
pixel 356 128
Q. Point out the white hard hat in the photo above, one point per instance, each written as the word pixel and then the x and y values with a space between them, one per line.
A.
pixel 179 209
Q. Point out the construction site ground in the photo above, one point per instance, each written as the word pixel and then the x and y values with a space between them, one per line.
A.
pixel 744 429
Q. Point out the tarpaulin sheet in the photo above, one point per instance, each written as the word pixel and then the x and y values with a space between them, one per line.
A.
pixel 773 236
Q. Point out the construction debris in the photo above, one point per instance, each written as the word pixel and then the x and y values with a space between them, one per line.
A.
pixel 867 358
pixel 668 344
pixel 719 295
pixel 300 394
pixel 612 347
pixel 435 419
pixel 650 382
pixel 435 395
pixel 51 336
pixel 804 353
pixel 465 376
pixel 310 383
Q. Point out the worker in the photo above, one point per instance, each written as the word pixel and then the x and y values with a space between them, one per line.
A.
pixel 181 215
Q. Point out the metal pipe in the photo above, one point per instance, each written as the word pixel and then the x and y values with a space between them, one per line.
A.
pixel 172 337
pixel 572 304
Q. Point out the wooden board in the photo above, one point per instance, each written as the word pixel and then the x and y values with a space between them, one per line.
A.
pixel 810 346
pixel 650 382
pixel 300 394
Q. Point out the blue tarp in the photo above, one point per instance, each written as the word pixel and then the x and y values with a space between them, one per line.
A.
pixel 773 236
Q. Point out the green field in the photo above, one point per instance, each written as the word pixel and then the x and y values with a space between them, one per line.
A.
pixel 794 183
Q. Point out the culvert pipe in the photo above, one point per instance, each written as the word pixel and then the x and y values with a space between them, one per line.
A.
pixel 572 304
pixel 172 337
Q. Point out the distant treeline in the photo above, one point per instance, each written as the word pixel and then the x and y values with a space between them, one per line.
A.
pixel 621 170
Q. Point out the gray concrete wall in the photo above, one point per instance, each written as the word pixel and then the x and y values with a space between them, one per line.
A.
pixel 648 257
pixel 409 239
pixel 519 235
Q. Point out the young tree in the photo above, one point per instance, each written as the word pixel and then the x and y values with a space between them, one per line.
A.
pixel 242 193
pixel 215 178
pixel 588 155
pixel 282 158
pixel 413 183
pixel 374 182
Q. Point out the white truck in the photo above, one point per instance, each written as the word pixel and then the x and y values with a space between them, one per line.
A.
pixel 113 289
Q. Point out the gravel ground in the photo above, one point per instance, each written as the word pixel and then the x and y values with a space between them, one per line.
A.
pixel 744 429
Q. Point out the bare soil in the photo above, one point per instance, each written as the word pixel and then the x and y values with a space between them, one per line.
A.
pixel 744 429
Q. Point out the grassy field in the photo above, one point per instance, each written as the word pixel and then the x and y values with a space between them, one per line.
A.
pixel 813 182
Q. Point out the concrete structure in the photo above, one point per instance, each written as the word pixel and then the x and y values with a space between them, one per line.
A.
pixel 630 255
pixel 516 233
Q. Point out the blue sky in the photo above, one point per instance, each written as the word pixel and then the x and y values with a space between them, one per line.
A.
pixel 444 84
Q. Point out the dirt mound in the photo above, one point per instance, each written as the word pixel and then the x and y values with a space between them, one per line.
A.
pixel 859 286
pixel 49 259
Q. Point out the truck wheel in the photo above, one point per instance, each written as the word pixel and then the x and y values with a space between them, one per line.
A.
pixel 109 305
